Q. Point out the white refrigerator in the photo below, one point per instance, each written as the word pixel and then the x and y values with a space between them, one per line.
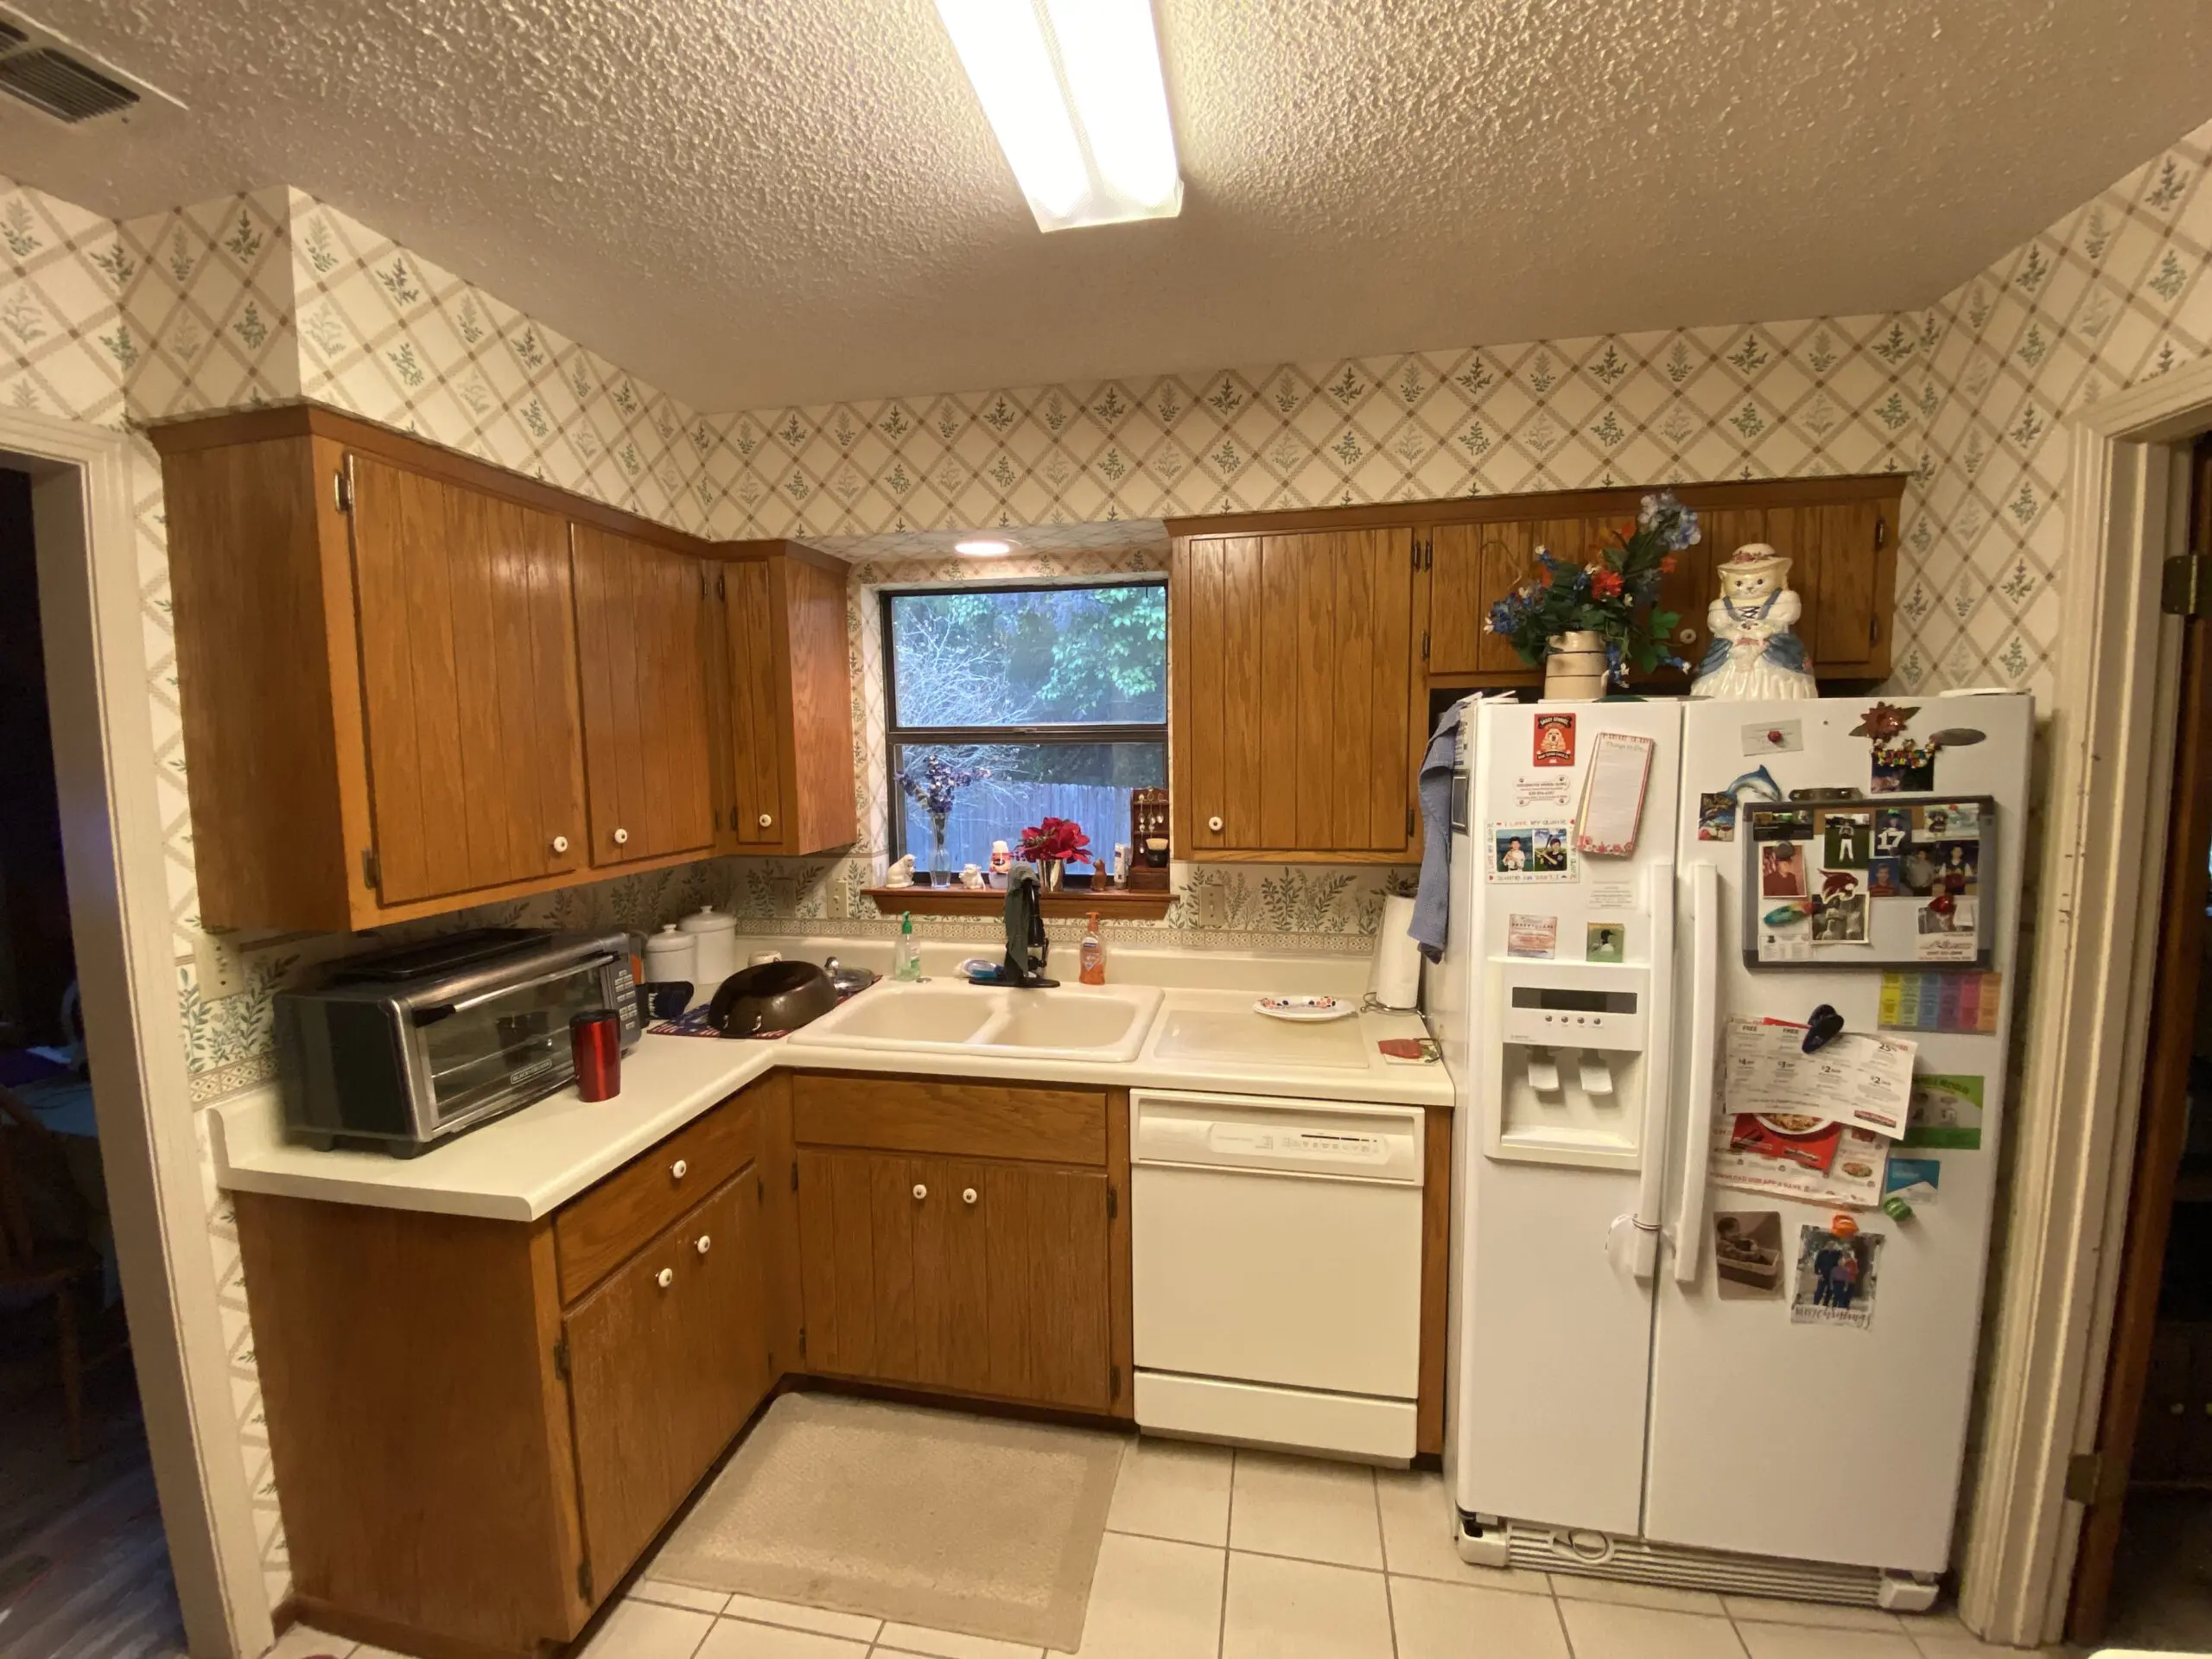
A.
pixel 1665 1366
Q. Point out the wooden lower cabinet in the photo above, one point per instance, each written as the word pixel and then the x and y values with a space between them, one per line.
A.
pixel 987 1277
pixel 666 1359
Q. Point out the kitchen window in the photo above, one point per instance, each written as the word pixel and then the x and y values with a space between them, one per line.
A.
pixel 1055 697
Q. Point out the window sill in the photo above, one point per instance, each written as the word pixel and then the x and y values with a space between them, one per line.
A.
pixel 1117 904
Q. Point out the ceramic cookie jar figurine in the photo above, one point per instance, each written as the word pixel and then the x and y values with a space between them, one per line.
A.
pixel 1754 654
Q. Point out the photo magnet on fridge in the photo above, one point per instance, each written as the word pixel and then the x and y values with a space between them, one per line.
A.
pixel 1532 936
pixel 1892 831
pixel 1603 941
pixel 1835 1275
pixel 1532 852
pixel 1747 1253
pixel 1782 870
pixel 1847 840
pixel 1885 877
pixel 1555 740
pixel 1716 817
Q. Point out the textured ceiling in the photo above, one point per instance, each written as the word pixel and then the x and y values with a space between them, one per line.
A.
pixel 754 203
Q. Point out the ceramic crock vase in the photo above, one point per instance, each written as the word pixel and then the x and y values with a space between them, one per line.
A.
pixel 1575 667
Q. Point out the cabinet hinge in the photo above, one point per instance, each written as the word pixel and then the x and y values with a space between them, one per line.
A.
pixel 583 1580
pixel 719 591
pixel 794 1174
pixel 372 871
pixel 801 1342
pixel 1410 822
pixel 760 1190
pixel 342 486
pixel 1424 644
pixel 1428 552
pixel 2091 1477
pixel 560 1359
pixel 1113 1382
pixel 1881 531
pixel 2181 586
pixel 1113 1204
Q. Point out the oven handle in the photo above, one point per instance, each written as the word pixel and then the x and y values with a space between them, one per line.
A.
pixel 567 970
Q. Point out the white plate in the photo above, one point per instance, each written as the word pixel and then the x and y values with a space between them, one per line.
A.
pixel 1305 1009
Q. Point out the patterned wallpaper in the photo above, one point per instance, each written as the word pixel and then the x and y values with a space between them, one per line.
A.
pixel 271 295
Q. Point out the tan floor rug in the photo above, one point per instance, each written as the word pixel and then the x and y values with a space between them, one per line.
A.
pixel 935 1518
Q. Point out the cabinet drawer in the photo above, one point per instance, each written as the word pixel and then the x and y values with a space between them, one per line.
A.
pixel 599 1230
pixel 961 1120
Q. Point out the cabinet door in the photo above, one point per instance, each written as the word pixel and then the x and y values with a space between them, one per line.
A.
pixel 647 765
pixel 1296 670
pixel 1047 1261
pixel 1473 567
pixel 667 1358
pixel 468 689
pixel 719 1281
pixel 758 719
pixel 908 1278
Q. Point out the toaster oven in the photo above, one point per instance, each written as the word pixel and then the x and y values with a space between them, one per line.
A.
pixel 403 1048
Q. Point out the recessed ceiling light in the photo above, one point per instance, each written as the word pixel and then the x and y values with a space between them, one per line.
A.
pixel 983 548
pixel 1073 90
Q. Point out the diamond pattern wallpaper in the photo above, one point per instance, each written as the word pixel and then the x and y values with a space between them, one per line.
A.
pixel 271 295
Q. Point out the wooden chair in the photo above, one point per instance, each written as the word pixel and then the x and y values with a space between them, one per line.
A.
pixel 50 1267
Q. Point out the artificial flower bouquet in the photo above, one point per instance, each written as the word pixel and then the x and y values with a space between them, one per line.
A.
pixel 1615 595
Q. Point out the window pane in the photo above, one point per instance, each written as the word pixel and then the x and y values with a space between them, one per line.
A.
pixel 1093 656
pixel 1028 782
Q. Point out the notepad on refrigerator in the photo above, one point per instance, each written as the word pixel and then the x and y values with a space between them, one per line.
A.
pixel 1613 794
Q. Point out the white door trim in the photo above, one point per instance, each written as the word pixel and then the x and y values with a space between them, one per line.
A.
pixel 2109 747
pixel 106 768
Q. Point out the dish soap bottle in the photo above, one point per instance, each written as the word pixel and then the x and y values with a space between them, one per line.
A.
pixel 906 962
pixel 1093 952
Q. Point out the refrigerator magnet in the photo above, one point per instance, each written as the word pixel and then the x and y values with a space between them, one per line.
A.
pixel 1836 1276
pixel 1603 941
pixel 1542 851
pixel 1535 936
pixel 1774 737
pixel 1555 740
pixel 1716 815
pixel 1747 1253
pixel 1847 840
pixel 1914 1179
pixel 1612 793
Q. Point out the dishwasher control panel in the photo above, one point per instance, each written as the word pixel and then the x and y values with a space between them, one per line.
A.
pixel 1282 1136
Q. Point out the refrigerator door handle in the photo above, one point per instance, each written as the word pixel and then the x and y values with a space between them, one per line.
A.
pixel 1640 1236
pixel 1704 1030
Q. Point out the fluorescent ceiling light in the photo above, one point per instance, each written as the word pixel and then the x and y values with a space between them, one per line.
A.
pixel 983 548
pixel 1073 90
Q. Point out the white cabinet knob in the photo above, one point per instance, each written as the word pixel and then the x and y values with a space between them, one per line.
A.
pixel 966 1195
pixel 920 1192
pixel 766 820
pixel 703 1243
pixel 664 1278
pixel 1214 823
pixel 560 843
pixel 679 1169
pixel 1687 636
pixel 621 837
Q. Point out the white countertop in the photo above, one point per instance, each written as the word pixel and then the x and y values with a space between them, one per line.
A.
pixel 525 1166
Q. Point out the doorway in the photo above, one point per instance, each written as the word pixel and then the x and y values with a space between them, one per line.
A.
pixel 2144 1576
pixel 83 1559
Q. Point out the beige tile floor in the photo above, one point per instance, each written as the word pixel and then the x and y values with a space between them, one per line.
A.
pixel 1215 1555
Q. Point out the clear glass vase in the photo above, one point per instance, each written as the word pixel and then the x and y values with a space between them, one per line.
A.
pixel 940 867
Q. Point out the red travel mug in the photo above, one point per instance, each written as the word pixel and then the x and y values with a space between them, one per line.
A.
pixel 596 1039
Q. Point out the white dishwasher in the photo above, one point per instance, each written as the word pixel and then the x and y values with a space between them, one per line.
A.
pixel 1276 1290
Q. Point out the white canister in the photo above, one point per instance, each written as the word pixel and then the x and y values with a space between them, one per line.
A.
pixel 671 955
pixel 715 935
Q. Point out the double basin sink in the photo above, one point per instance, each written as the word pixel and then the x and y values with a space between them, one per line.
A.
pixel 1073 1022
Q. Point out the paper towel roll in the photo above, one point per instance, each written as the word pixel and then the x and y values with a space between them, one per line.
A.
pixel 1393 976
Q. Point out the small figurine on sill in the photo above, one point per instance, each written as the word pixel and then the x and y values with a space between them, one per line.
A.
pixel 899 873
pixel 1754 655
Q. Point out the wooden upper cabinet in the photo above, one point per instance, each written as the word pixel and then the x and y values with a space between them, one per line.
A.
pixel 1839 534
pixel 790 691
pixel 643 633
pixel 468 685
pixel 1296 693
pixel 377 660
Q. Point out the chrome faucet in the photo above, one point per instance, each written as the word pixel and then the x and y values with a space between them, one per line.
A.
pixel 1026 948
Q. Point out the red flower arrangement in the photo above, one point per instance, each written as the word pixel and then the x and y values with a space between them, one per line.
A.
pixel 1060 838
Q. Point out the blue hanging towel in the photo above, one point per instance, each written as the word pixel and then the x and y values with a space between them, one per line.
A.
pixel 1432 899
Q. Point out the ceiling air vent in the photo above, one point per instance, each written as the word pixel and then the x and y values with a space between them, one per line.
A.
pixel 64 88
